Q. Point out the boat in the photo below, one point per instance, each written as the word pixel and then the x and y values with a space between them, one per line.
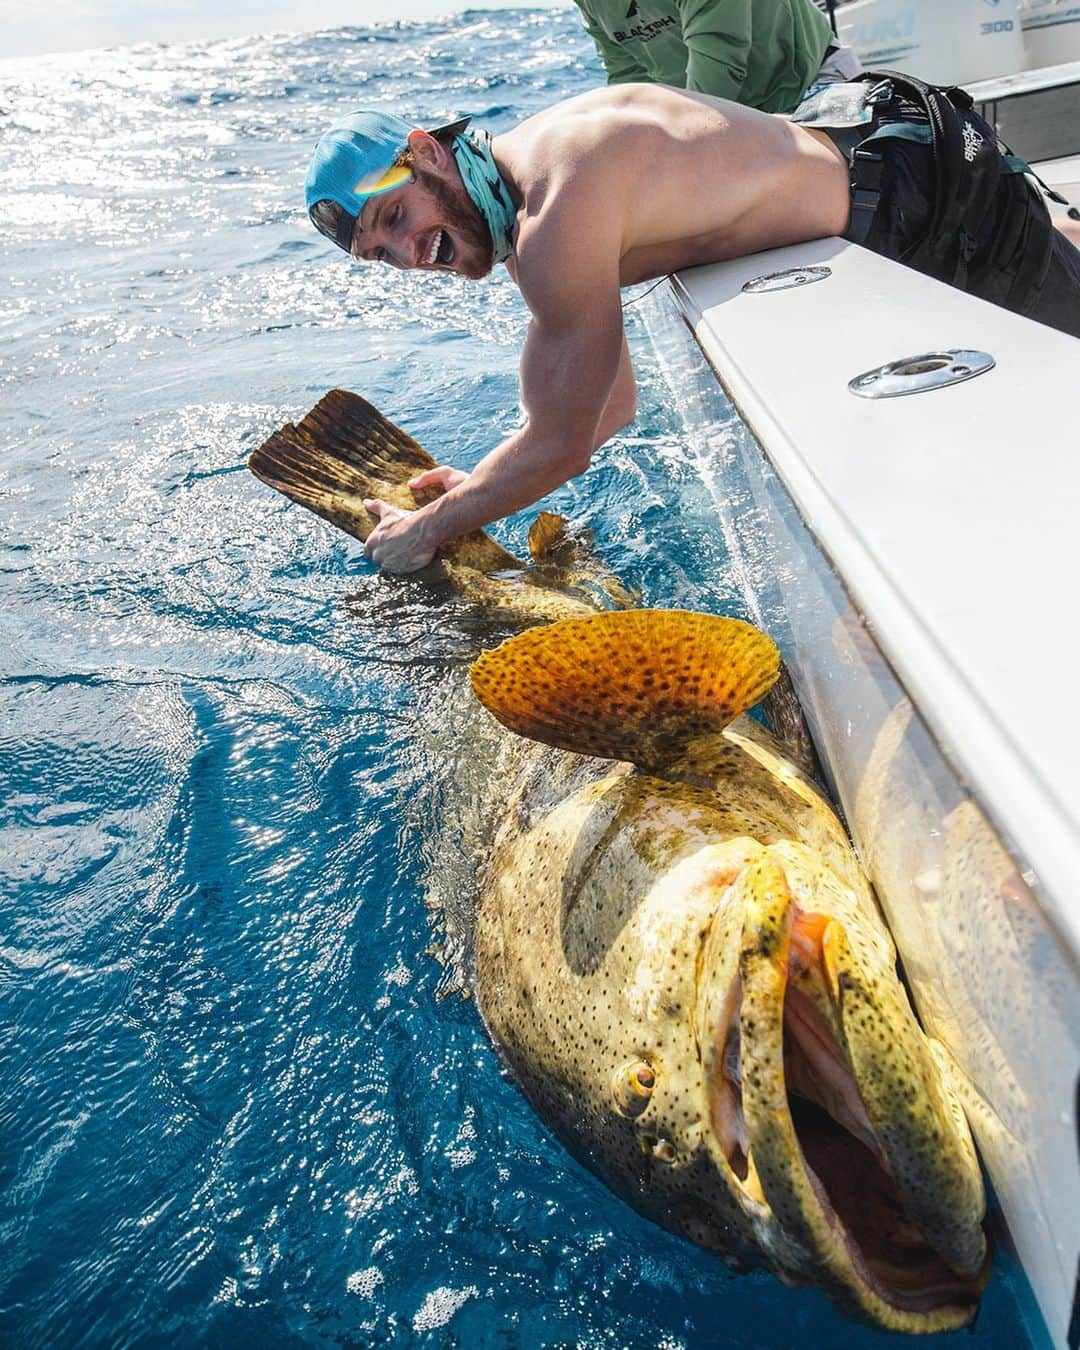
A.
pixel 894 471
pixel 1019 60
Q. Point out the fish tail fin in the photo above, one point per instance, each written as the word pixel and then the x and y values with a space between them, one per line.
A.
pixel 344 451
pixel 640 685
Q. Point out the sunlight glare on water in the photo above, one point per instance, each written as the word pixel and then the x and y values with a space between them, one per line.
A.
pixel 243 1102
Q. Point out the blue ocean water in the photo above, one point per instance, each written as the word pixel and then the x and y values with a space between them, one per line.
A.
pixel 241 1099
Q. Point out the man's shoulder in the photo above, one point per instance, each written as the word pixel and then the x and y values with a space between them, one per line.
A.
pixel 576 162
pixel 586 126
pixel 570 238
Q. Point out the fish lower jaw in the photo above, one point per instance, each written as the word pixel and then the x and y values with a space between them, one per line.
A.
pixel 866 1253
pixel 864 1250
pixel 880 1267
pixel 815 1179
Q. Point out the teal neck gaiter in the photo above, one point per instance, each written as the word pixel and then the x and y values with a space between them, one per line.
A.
pixel 484 184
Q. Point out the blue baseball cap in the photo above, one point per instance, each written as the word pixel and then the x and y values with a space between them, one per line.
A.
pixel 357 159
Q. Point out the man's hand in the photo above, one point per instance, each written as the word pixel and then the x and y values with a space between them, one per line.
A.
pixel 444 477
pixel 397 543
pixel 401 540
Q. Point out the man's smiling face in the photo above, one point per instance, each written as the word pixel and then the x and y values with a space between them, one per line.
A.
pixel 431 222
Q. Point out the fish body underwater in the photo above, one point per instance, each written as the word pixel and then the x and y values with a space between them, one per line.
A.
pixel 676 952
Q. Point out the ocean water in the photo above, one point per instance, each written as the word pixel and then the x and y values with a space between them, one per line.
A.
pixel 242 1099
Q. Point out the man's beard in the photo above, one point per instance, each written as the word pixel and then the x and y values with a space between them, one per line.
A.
pixel 464 218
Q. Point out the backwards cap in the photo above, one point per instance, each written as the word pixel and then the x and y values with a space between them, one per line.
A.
pixel 354 160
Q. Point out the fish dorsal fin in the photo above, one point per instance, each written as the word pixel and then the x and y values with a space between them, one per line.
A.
pixel 345 450
pixel 550 544
pixel 641 685
pixel 568 554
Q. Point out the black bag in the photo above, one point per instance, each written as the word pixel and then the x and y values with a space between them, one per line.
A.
pixel 990 232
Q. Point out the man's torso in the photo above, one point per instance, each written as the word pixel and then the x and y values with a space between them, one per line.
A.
pixel 679 178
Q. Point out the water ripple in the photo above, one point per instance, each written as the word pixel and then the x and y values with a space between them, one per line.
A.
pixel 245 1104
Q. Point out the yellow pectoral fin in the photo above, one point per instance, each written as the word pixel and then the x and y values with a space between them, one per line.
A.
pixel 637 686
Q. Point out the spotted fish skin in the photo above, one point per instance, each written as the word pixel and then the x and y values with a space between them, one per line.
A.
pixel 687 973
pixel 588 944
pixel 676 951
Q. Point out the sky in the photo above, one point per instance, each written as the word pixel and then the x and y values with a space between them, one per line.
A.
pixel 34 27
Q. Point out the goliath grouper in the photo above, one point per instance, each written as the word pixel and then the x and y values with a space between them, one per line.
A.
pixel 677 953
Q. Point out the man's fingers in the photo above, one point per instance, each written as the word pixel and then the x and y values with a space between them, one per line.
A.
pixel 443 476
pixel 430 478
pixel 375 508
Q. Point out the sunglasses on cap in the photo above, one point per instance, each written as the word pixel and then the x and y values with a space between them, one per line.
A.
pixel 336 195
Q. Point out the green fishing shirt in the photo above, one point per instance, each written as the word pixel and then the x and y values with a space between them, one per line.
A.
pixel 760 52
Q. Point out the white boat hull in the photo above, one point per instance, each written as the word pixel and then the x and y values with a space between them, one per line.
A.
pixel 947 42
pixel 1051 30
pixel 914 557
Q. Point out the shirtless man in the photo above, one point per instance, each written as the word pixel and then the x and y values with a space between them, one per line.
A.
pixel 613 187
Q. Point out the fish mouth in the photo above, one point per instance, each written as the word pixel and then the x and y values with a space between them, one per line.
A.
pixel 852 1166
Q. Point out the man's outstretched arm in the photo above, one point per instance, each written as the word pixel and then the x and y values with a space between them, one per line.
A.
pixel 619 411
pixel 578 390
